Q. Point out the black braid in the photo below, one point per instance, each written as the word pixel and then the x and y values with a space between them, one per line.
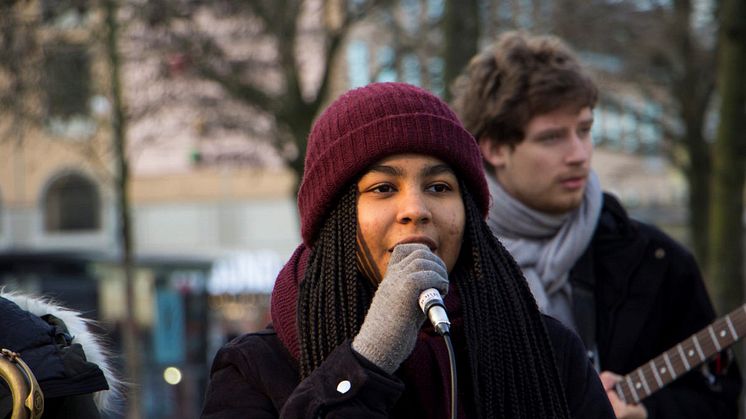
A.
pixel 333 297
pixel 512 362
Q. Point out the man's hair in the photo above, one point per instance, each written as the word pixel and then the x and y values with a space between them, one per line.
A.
pixel 511 360
pixel 516 78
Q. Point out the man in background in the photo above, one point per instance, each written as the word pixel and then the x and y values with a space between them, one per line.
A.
pixel 630 291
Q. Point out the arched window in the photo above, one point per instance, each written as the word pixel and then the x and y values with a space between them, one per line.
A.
pixel 72 204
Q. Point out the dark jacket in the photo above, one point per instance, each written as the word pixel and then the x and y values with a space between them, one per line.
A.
pixel 66 378
pixel 254 376
pixel 649 296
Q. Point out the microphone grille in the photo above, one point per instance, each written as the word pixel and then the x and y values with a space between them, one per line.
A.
pixel 428 298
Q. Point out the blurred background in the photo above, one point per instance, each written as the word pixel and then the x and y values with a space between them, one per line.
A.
pixel 150 150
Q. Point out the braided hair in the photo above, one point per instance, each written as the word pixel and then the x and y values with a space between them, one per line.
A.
pixel 333 297
pixel 511 358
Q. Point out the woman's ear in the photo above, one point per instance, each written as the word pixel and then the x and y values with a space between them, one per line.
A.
pixel 493 152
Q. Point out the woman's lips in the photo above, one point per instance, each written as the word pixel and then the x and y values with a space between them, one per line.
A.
pixel 427 241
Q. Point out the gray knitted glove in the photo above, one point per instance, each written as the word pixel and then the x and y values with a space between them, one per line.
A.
pixel 389 331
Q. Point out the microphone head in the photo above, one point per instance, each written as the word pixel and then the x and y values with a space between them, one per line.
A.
pixel 429 298
pixel 431 304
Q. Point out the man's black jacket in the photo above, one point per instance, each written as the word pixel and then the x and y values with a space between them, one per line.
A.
pixel 649 296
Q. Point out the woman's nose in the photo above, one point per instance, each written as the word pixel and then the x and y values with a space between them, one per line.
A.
pixel 413 207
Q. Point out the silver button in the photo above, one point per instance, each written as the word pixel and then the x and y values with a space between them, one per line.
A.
pixel 660 253
pixel 344 386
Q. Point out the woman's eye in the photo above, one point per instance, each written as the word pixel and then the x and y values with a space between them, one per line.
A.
pixel 382 189
pixel 439 187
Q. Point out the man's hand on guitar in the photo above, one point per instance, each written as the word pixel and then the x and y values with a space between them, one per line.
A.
pixel 621 410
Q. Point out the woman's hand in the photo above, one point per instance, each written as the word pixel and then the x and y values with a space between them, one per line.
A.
pixel 394 318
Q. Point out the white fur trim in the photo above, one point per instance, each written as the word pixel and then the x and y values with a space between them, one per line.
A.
pixel 77 326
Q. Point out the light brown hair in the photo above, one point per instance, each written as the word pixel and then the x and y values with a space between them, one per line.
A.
pixel 516 78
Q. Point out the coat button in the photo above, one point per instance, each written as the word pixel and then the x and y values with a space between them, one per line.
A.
pixel 344 386
pixel 660 253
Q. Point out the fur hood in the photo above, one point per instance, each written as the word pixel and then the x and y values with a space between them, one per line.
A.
pixel 77 326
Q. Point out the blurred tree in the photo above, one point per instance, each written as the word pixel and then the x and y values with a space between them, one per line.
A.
pixel 691 85
pixel 726 233
pixel 131 336
pixel 17 46
pixel 18 60
pixel 683 62
pixel 285 74
pixel 412 31
pixel 461 30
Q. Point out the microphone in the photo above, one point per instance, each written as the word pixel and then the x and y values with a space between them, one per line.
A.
pixel 431 304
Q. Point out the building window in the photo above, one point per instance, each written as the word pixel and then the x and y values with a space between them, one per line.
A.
pixel 72 204
pixel 66 71
pixel 68 91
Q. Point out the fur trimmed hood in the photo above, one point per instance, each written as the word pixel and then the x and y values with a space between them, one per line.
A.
pixel 77 327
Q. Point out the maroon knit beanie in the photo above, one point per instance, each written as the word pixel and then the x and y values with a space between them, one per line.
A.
pixel 368 124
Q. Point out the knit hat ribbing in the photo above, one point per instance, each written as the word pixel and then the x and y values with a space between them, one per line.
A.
pixel 370 123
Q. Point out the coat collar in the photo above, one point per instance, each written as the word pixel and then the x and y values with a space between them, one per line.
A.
pixel 618 248
pixel 626 278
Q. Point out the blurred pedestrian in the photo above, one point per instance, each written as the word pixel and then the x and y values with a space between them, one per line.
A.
pixel 629 290
pixel 70 364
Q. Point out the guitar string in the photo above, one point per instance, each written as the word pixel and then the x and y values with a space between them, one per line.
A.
pixel 722 327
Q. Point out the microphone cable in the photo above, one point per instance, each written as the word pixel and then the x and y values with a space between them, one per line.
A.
pixel 454 380
pixel 432 305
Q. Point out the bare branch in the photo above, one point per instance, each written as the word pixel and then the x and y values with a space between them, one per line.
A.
pixel 239 90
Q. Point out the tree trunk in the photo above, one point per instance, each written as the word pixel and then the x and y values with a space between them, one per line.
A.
pixel 726 222
pixel 118 128
pixel 698 180
pixel 693 90
pixel 300 131
pixel 461 33
pixel 697 171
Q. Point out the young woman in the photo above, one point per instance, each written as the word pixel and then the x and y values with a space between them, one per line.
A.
pixel 393 202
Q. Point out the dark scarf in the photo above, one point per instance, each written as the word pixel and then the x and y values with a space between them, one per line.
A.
pixel 426 373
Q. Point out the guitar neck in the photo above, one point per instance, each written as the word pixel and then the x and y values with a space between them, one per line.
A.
pixel 675 362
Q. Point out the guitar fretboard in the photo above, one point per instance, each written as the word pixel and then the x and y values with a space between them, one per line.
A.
pixel 675 362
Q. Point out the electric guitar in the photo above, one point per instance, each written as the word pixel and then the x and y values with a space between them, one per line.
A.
pixel 688 354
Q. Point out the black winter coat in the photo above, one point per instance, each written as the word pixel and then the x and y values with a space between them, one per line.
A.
pixel 254 376
pixel 649 296
pixel 66 378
